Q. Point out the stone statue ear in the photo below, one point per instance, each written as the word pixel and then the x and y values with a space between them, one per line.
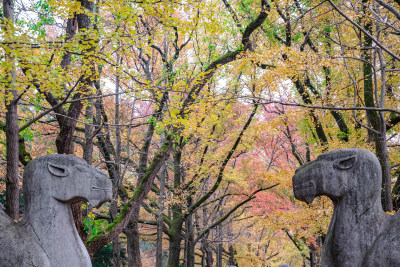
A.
pixel 58 170
pixel 345 163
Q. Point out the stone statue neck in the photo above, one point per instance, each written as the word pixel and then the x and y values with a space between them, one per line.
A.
pixel 59 216
pixel 347 215
pixel 53 220
pixel 357 207
pixel 352 211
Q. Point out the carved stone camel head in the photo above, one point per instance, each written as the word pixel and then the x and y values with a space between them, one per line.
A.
pixel 338 173
pixel 360 234
pixel 66 178
pixel 47 236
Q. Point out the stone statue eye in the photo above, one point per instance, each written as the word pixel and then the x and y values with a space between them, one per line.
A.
pixel 345 163
pixel 58 170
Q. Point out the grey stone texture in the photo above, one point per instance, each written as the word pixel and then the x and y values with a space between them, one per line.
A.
pixel 46 235
pixel 360 232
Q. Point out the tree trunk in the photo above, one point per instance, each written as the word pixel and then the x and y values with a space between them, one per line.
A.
pixel 116 260
pixel 383 156
pixel 12 145
pixel 312 258
pixel 231 260
pixel 203 257
pixel 132 242
pixel 175 240
pixel 88 146
pixel 190 245
pixel 209 257
pixel 118 179
pixel 12 186
pixel 8 10
pixel 219 246
pixel 177 216
pixel 376 121
pixel 160 220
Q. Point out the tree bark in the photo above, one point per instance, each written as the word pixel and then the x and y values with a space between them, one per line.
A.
pixel 12 135
pixel 133 248
pixel 378 135
pixel 209 257
pixel 116 260
pixel 175 245
pixel 117 159
pixel 12 186
pixel 220 247
pixel 160 220
pixel 88 146
pixel 175 237
pixel 231 260
pixel 190 243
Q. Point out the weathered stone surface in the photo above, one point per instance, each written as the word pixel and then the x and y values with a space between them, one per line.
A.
pixel 46 235
pixel 360 232
pixel 284 265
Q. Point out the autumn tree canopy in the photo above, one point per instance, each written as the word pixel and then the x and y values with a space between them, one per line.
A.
pixel 199 112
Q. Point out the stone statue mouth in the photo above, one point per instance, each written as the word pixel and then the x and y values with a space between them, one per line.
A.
pixel 304 185
pixel 99 195
pixel 305 191
pixel 100 188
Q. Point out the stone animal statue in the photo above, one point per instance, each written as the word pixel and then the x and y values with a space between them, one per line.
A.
pixel 46 236
pixel 360 232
